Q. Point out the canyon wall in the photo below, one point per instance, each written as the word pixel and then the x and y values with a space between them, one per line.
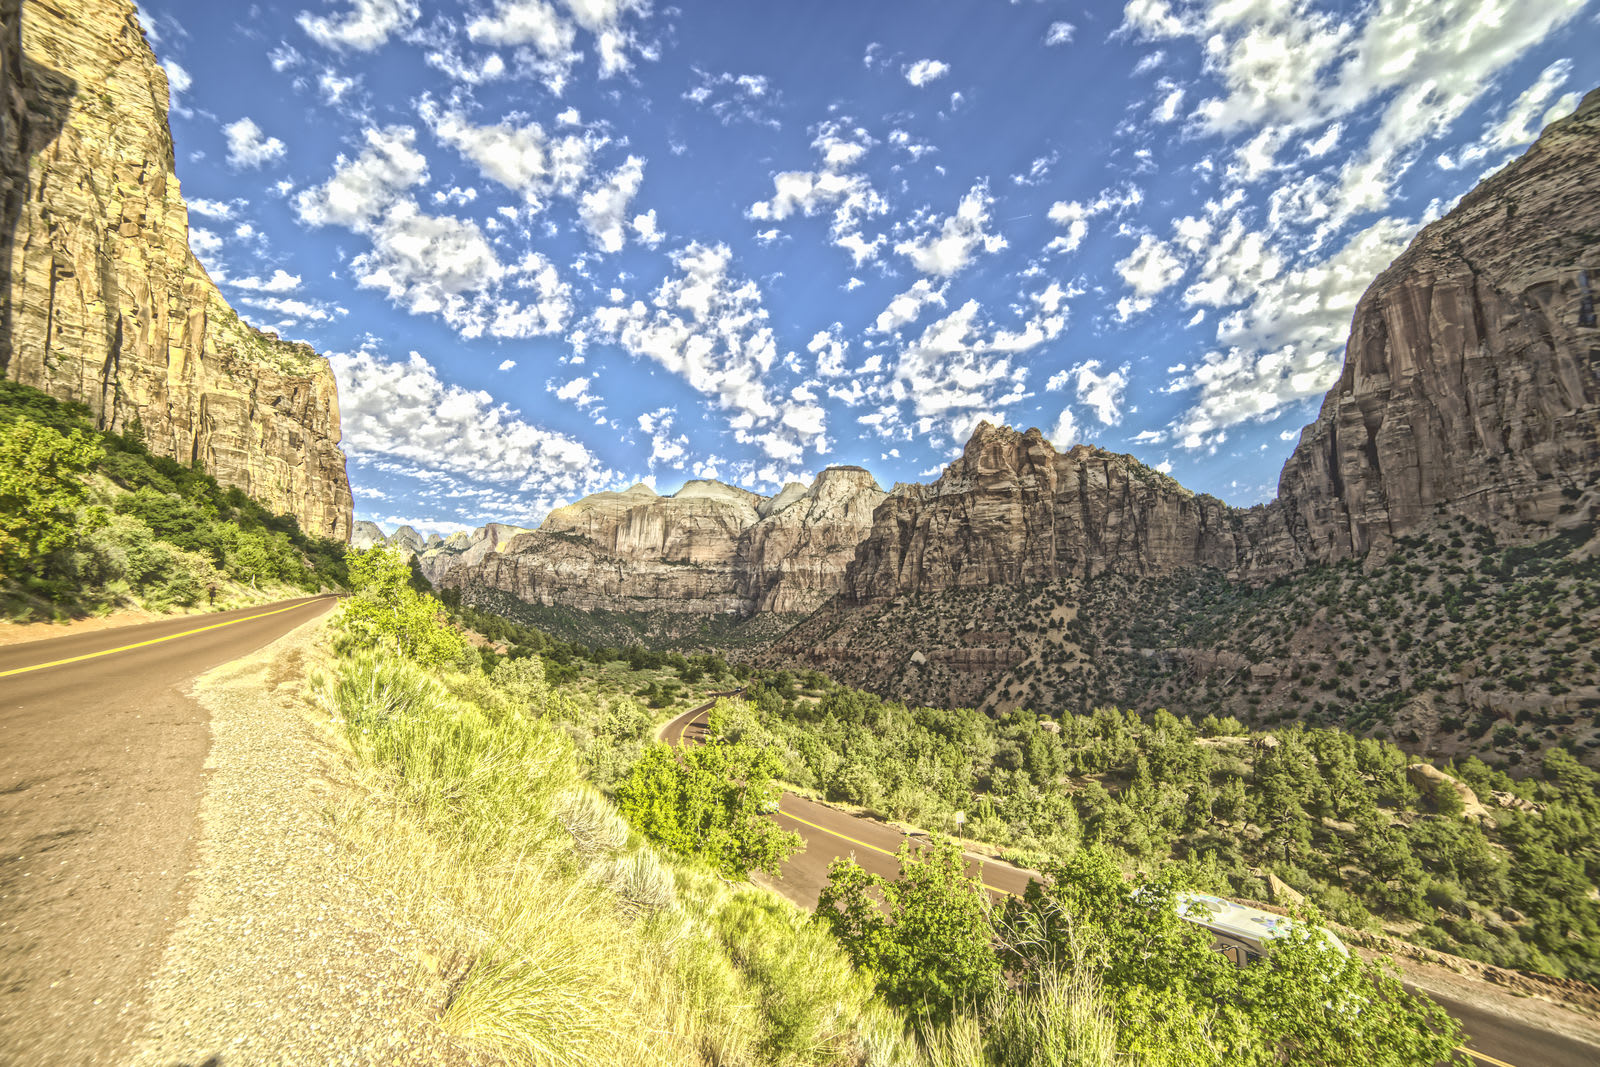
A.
pixel 1472 374
pixel 105 304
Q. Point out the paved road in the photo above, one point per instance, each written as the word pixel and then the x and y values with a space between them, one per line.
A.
pixel 1493 1039
pixel 101 771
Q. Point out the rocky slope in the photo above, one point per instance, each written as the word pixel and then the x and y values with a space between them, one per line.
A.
pixel 1472 375
pixel 708 550
pixel 103 301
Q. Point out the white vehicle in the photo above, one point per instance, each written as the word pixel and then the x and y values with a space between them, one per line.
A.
pixel 1239 932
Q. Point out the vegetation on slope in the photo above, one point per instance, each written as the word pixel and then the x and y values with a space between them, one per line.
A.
pixel 1453 644
pixel 477 769
pixel 1343 820
pixel 91 520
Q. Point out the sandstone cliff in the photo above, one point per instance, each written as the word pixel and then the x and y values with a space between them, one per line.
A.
pixel 1012 510
pixel 709 549
pixel 1472 374
pixel 103 301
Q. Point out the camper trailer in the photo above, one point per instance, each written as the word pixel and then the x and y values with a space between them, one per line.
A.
pixel 1239 932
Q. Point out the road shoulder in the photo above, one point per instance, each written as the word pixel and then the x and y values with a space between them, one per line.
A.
pixel 287 951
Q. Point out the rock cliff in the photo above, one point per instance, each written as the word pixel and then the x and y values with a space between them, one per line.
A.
pixel 1012 510
pixel 1472 374
pixel 103 301
pixel 709 549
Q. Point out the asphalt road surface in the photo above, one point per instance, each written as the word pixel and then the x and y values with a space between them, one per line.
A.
pixel 1493 1039
pixel 102 758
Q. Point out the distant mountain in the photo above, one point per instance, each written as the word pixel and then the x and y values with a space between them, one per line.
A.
pixel 104 304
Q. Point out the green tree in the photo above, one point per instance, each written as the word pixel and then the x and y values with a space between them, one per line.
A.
pixel 930 947
pixel 41 488
pixel 386 611
pixel 708 801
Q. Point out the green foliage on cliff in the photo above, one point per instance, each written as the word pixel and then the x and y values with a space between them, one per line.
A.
pixel 98 521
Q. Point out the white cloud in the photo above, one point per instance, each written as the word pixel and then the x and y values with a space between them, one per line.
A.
pixel 1075 214
pixel 1103 392
pixel 280 282
pixel 431 264
pixel 519 157
pixel 909 305
pixel 1522 121
pixel 836 186
pixel 364 27
pixel 404 411
pixel 178 81
pixel 943 247
pixel 830 348
pixel 575 392
pixel 363 188
pixel 1148 270
pixel 211 209
pixel 924 71
pixel 712 331
pixel 1065 433
pixel 204 243
pixel 1286 344
pixel 1059 33
pixel 247 147
pixel 548 39
pixel 604 209
pixel 506 364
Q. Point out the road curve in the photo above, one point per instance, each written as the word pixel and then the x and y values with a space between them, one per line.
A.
pixel 1494 1040
pixel 102 757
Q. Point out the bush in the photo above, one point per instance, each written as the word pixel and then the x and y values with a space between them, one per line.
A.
pixel 708 802
pixel 930 946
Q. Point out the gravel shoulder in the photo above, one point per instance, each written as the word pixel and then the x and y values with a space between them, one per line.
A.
pixel 288 953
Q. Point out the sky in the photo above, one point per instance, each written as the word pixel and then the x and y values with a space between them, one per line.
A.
pixel 553 247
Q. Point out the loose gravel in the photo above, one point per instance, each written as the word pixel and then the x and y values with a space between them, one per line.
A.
pixel 288 954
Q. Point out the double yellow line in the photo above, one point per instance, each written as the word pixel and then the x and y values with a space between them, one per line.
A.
pixel 153 640
pixel 863 844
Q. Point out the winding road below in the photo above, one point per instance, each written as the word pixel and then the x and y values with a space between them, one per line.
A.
pixel 1494 1039
pixel 102 766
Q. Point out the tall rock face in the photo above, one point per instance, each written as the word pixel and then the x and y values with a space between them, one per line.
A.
pixel 796 557
pixel 103 301
pixel 1472 375
pixel 1012 510
pixel 709 549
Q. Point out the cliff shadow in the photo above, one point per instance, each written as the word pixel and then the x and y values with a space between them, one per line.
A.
pixel 35 102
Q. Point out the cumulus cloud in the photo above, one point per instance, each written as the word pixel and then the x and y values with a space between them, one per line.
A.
pixel 1522 121
pixel 363 27
pixel 280 282
pixel 1286 343
pixel 837 186
pixel 1064 434
pixel 248 146
pixel 1076 214
pixel 712 330
pixel 432 264
pixel 1059 33
pixel 546 38
pixel 520 157
pixel 1103 392
pixel 924 71
pixel 604 209
pixel 909 306
pixel 943 247
pixel 403 410
pixel 1148 270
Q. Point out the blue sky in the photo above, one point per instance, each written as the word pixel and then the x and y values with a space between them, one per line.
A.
pixel 558 246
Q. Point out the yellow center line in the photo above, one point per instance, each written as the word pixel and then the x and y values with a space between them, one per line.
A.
pixel 1485 1057
pixel 152 641
pixel 863 844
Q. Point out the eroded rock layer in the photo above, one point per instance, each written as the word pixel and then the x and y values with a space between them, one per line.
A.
pixel 104 302
pixel 709 549
pixel 1472 375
